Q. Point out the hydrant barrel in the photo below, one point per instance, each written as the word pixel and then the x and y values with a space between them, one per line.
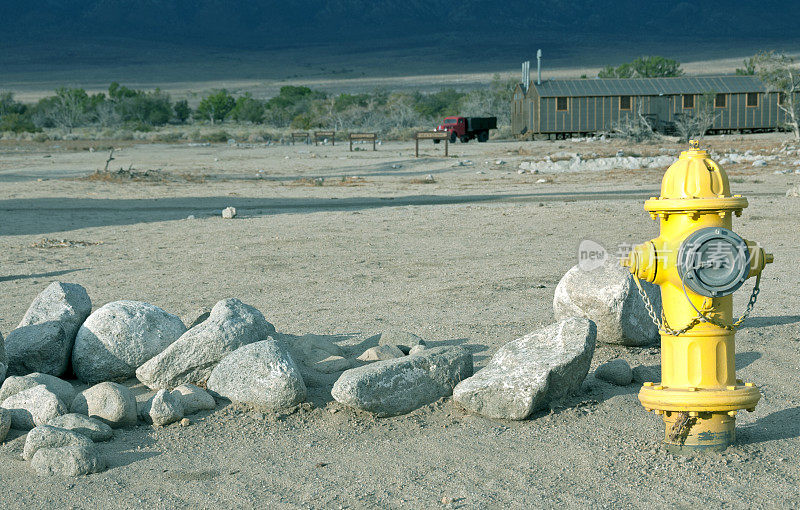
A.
pixel 698 262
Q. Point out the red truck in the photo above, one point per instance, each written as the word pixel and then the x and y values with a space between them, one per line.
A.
pixel 467 128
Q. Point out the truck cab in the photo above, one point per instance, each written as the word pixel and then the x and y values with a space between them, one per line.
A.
pixel 457 126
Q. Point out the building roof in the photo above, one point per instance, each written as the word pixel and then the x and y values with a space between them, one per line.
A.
pixel 649 86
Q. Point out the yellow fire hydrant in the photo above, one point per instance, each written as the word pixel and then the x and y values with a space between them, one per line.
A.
pixel 698 262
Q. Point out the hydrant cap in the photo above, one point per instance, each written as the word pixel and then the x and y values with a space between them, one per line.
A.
pixel 695 182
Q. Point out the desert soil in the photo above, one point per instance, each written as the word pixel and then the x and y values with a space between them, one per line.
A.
pixel 471 259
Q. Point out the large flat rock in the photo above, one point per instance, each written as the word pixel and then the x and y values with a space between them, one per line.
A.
pixel 398 386
pixel 529 373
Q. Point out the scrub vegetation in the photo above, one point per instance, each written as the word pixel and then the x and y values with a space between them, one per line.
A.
pixel 121 112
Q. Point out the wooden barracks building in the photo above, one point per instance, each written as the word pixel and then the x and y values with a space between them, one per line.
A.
pixel 564 107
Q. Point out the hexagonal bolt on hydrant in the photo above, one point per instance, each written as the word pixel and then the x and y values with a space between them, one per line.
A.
pixel 698 262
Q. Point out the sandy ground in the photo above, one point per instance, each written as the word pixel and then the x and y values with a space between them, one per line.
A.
pixel 472 259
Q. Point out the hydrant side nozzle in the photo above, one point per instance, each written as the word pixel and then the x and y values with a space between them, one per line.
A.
pixel 758 258
pixel 642 261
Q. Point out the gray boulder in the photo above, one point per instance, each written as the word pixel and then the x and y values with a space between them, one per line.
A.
pixel 111 403
pixel 67 461
pixel 42 349
pixel 529 373
pixel 33 407
pixel 191 358
pixel 403 340
pixel 3 369
pixel 194 399
pixel 609 297
pixel 47 436
pixel 94 429
pixel 616 371
pixel 262 374
pixel 14 384
pixel 5 423
pixel 119 337
pixel 162 409
pixel 381 352
pixel 65 303
pixel 398 386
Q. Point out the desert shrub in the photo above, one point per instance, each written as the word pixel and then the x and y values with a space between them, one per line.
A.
pixel 215 136
pixel 17 123
pixel 438 104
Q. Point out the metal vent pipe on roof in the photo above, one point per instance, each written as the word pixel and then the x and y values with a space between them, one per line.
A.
pixel 538 67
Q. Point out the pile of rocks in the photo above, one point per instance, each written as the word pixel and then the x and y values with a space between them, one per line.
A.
pixel 234 352
pixel 576 163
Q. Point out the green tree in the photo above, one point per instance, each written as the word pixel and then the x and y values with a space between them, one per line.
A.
pixel 182 110
pixel 644 67
pixel 216 107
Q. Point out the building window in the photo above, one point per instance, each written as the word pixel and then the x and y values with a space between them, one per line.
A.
pixel 624 102
pixel 752 99
pixel 562 104
pixel 688 101
pixel 721 101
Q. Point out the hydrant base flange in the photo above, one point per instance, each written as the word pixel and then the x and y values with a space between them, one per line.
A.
pixel 699 399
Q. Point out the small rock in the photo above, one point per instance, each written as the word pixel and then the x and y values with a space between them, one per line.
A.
pixel 643 374
pixel 608 296
pixel 190 217
pixel 759 162
pixel 381 352
pixel 33 407
pixel 541 181
pixel 398 386
pixel 194 399
pixel 526 375
pixel 162 409
pixel 47 436
pixel 262 373
pixel 67 461
pixel 119 337
pixel 109 402
pixel 417 349
pixel 65 305
pixel 5 423
pixel 229 213
pixel 429 178
pixel 191 358
pixel 185 422
pixel 14 384
pixel 616 371
pixel 94 429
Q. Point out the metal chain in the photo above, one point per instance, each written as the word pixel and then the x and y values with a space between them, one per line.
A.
pixel 661 323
